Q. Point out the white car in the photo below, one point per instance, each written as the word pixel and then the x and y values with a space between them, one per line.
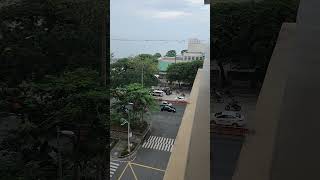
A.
pixel 229 118
pixel 165 103
pixel 179 98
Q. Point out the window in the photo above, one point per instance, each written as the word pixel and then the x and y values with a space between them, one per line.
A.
pixel 200 58
pixel 197 58
pixel 189 58
pixel 192 58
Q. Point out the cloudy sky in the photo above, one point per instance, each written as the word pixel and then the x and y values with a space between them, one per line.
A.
pixel 156 20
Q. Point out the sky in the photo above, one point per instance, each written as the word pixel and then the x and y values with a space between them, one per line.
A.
pixel 156 20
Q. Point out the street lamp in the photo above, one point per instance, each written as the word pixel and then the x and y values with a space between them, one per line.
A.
pixel 128 108
pixel 142 72
pixel 62 132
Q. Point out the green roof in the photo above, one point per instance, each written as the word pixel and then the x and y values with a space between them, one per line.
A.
pixel 163 66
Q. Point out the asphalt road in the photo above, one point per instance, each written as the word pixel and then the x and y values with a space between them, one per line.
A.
pixel 225 150
pixel 224 156
pixel 151 160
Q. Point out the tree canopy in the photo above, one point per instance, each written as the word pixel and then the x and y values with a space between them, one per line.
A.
pixel 171 53
pixel 183 51
pixel 157 55
pixel 75 101
pixel 50 54
pixel 45 37
pixel 183 72
pixel 247 31
pixel 129 70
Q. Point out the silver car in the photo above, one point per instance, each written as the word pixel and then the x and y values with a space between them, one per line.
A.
pixel 228 118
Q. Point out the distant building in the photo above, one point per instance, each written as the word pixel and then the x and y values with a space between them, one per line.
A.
pixel 196 51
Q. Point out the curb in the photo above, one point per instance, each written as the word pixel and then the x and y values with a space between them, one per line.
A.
pixel 128 156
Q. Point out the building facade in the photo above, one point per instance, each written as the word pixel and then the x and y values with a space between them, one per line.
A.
pixel 196 50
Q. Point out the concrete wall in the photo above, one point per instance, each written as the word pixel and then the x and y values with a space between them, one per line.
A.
pixel 297 149
pixel 256 156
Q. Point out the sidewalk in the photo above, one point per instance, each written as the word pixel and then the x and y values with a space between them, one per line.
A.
pixel 122 144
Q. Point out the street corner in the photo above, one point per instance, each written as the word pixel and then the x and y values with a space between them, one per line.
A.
pixel 152 158
pixel 144 172
pixel 137 171
pixel 116 167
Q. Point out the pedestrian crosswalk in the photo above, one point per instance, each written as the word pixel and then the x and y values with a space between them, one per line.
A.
pixel 159 143
pixel 113 167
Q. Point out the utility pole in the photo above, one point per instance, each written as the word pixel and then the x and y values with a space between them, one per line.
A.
pixel 59 154
pixel 142 74
pixel 129 132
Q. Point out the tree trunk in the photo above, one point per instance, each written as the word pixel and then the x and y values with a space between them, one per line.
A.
pixel 223 80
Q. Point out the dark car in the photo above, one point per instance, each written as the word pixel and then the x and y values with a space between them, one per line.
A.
pixel 168 108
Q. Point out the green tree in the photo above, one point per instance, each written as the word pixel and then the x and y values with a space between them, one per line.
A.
pixel 74 100
pixel 247 31
pixel 157 55
pixel 183 51
pixel 183 72
pixel 139 96
pixel 171 53
pixel 43 37
pixel 130 70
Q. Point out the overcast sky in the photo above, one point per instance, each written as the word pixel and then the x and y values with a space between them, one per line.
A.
pixel 156 20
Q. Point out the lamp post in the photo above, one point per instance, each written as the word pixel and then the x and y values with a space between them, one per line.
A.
pixel 128 108
pixel 59 154
pixel 62 132
pixel 142 72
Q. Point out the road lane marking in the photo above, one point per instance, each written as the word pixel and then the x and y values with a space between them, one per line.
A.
pixel 134 174
pixel 149 167
pixel 123 171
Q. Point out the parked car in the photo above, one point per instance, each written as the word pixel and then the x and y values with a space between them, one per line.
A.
pixel 165 103
pixel 179 98
pixel 228 118
pixel 168 108
pixel 158 93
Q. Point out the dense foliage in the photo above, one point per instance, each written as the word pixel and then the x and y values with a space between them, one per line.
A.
pixel 141 101
pixel 44 37
pixel 171 53
pixel 50 53
pixel 183 72
pixel 247 31
pixel 130 70
pixel 74 101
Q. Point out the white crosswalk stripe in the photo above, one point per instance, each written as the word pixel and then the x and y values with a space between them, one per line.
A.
pixel 159 143
pixel 113 167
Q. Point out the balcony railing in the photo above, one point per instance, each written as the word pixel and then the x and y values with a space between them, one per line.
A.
pixel 190 158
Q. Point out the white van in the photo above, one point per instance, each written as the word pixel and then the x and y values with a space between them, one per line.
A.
pixel 157 93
